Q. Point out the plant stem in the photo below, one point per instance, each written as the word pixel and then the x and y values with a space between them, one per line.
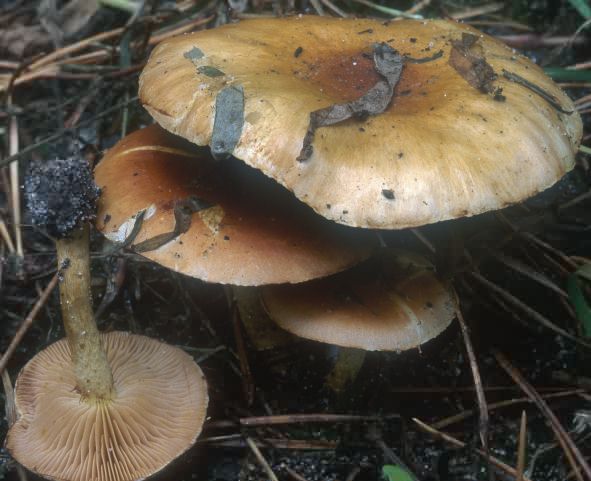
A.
pixel 93 374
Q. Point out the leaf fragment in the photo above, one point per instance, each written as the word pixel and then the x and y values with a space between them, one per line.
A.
pixel 467 58
pixel 389 64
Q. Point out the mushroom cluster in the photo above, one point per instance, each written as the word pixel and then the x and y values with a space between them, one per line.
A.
pixel 372 124
pixel 354 125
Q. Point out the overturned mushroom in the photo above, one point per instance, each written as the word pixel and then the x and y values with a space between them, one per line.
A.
pixel 154 414
pixel 238 227
pixel 110 407
pixel 470 126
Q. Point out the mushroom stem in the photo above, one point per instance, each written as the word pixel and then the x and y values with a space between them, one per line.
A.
pixel 93 374
pixel 344 371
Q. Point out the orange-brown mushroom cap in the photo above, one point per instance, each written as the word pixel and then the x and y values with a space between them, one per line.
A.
pixel 442 149
pixel 250 230
pixel 391 302
pixel 156 413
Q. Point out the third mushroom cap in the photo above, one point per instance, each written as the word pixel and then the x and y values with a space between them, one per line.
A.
pixel 373 124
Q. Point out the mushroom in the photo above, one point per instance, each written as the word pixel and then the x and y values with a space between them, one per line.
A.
pixel 220 222
pixel 373 124
pixel 391 302
pixel 97 407
pixel 154 414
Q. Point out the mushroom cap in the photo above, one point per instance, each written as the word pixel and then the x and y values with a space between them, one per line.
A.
pixel 157 411
pixel 442 149
pixel 251 231
pixel 391 302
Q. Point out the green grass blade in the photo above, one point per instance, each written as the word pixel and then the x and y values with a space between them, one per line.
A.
pixel 568 74
pixel 395 473
pixel 582 6
pixel 577 298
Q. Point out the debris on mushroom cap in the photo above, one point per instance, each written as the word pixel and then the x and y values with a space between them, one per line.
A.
pixel 460 136
pixel 218 221
pixel 155 415
pixel 391 302
pixel 60 194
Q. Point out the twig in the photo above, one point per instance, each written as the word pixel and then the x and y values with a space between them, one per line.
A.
pixel 570 449
pixel 393 12
pixel 564 258
pixel 14 183
pixel 419 6
pixel 306 418
pixel 374 434
pixel 468 389
pixel 334 8
pixel 528 310
pixel 28 321
pixel 522 446
pixel 62 132
pixel 261 459
pixel 482 406
pixel 6 236
pixel 477 11
pixel 456 442
pixel 294 475
pixel 235 440
pixel 75 47
pixel 527 271
pixel 501 404
pixel 419 235
pixel 317 6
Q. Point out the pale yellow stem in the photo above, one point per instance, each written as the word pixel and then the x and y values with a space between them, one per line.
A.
pixel 94 376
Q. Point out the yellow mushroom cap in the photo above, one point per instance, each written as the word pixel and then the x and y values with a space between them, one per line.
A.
pixel 157 412
pixel 250 231
pixel 442 149
pixel 391 302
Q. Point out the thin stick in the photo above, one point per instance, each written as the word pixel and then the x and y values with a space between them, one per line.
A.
pixel 419 235
pixel 522 446
pixel 14 183
pixel 6 236
pixel 569 447
pixel 24 327
pixel 477 11
pixel 294 475
pixel 528 310
pixel 62 52
pixel 501 404
pixel 261 459
pixel 456 442
pixel 61 132
pixel 482 406
pixel 334 8
pixel 419 6
pixel 305 418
